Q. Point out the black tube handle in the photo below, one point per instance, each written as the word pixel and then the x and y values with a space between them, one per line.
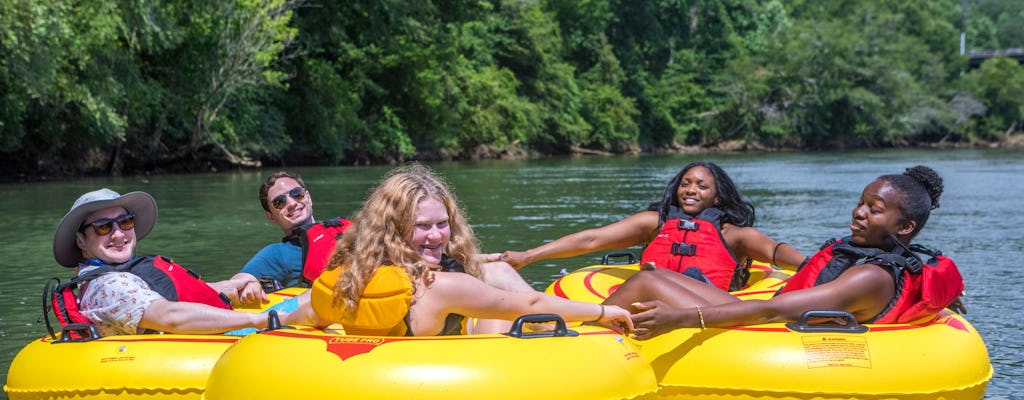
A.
pixel 849 325
pixel 86 332
pixel 560 330
pixel 274 322
pixel 631 257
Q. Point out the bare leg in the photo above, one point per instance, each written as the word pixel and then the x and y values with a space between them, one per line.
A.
pixel 670 287
pixel 501 275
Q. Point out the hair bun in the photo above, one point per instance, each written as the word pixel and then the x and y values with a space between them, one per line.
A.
pixel 929 179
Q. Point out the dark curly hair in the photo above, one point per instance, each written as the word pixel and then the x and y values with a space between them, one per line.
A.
pixel 921 187
pixel 737 211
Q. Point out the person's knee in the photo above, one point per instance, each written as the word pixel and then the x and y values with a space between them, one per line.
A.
pixel 645 278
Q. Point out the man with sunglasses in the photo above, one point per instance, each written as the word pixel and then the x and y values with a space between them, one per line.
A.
pixel 128 294
pixel 303 253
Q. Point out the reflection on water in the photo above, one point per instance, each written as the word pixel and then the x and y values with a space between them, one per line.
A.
pixel 213 222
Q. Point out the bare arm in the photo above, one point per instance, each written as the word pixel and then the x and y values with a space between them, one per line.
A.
pixel 462 294
pixel 749 242
pixel 195 318
pixel 304 314
pixel 631 231
pixel 863 291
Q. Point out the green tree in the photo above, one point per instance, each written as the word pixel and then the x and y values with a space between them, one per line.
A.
pixel 998 85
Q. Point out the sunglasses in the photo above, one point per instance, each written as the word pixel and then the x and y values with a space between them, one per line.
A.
pixel 280 201
pixel 105 226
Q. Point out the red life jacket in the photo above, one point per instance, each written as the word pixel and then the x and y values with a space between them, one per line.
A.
pixel 171 280
pixel 923 288
pixel 694 246
pixel 318 242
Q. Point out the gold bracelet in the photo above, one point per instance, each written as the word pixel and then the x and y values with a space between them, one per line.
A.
pixel 700 316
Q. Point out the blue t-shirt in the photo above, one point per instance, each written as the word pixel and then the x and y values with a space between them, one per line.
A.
pixel 281 261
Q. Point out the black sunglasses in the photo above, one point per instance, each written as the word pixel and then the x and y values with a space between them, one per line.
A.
pixel 105 226
pixel 297 193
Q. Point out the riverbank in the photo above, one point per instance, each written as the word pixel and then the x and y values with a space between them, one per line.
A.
pixel 14 171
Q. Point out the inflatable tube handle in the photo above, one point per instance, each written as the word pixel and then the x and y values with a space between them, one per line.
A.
pixel 274 322
pixel 517 327
pixel 631 257
pixel 65 336
pixel 850 326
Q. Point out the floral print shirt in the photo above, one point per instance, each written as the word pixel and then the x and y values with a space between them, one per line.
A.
pixel 115 302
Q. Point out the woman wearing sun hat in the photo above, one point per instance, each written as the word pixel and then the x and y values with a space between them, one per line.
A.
pixel 128 294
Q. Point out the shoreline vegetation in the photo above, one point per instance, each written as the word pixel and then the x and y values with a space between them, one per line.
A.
pixel 113 88
pixel 1015 141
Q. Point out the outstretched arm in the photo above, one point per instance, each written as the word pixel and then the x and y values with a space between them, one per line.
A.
pixel 749 242
pixel 195 318
pixel 863 291
pixel 304 314
pixel 631 231
pixel 463 294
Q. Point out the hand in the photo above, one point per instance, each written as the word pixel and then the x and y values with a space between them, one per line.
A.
pixel 252 293
pixel 489 257
pixel 653 318
pixel 616 319
pixel 517 259
pixel 242 289
pixel 958 305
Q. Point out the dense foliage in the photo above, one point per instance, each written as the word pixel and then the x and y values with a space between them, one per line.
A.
pixel 109 87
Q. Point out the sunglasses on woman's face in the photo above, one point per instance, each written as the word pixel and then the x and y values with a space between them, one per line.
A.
pixel 105 226
pixel 280 201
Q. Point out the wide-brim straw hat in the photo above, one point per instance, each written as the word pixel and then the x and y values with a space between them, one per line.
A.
pixel 139 204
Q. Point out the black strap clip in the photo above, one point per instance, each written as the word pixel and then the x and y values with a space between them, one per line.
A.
pixel 683 249
pixel 688 225
pixel 914 264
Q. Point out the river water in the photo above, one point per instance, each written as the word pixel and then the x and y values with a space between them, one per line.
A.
pixel 213 222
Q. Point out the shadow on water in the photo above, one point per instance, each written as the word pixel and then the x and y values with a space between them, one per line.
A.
pixel 213 222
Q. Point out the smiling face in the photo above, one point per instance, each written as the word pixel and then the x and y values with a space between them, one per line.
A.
pixel 697 191
pixel 295 212
pixel 878 215
pixel 116 247
pixel 431 232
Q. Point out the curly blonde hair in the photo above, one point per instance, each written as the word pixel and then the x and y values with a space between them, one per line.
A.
pixel 383 227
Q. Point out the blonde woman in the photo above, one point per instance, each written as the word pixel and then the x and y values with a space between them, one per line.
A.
pixel 410 267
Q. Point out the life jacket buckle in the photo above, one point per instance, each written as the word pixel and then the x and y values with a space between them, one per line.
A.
pixel 914 264
pixel 684 249
pixel 688 225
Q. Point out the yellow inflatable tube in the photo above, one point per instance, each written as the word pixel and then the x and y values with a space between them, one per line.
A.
pixel 595 283
pixel 942 358
pixel 596 364
pixel 123 366
pixel 129 367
